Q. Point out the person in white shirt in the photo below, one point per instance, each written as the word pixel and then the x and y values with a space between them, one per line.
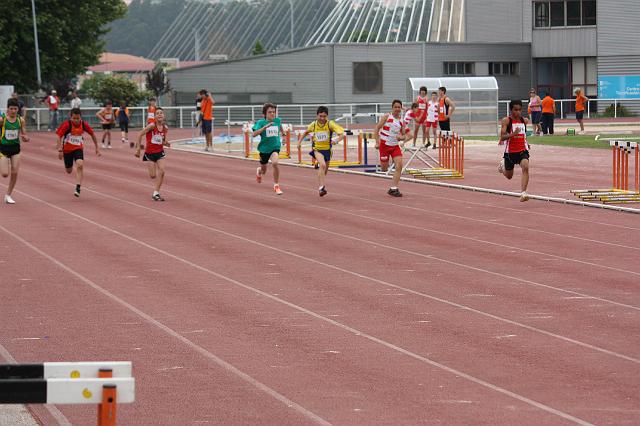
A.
pixel 75 100
pixel 432 120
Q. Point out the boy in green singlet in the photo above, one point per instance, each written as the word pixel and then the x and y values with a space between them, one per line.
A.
pixel 13 132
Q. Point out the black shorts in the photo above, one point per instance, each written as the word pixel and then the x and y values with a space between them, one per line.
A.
pixel 10 150
pixel 264 156
pixel 207 126
pixel 325 153
pixel 71 157
pixel 153 157
pixel 124 126
pixel 513 158
pixel 107 126
pixel 445 125
pixel 579 115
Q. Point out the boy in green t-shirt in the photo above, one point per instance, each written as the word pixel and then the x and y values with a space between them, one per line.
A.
pixel 13 132
pixel 270 130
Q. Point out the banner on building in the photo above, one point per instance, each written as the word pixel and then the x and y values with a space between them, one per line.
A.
pixel 619 87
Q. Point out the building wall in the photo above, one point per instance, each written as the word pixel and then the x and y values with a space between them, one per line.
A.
pixel 498 21
pixel 618 33
pixel 305 73
pixel 564 42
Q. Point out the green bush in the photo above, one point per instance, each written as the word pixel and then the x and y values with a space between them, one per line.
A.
pixel 115 89
pixel 622 111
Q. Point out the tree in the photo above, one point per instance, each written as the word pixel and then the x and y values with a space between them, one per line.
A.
pixel 114 88
pixel 69 38
pixel 157 81
pixel 360 36
pixel 258 49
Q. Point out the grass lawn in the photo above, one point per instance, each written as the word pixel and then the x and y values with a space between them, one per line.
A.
pixel 577 141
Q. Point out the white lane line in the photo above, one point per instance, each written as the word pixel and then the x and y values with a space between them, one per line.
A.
pixel 384 283
pixel 249 379
pixel 52 409
pixel 217 360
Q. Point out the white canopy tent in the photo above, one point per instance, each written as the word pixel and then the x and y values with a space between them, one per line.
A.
pixel 476 100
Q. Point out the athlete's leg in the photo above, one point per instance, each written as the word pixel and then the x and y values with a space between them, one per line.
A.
pixel 322 168
pixel 159 166
pixel 524 165
pixel 79 171
pixel 415 134
pixel 276 169
pixel 109 137
pixel 4 166
pixel 15 166
pixel 151 168
pixel 397 172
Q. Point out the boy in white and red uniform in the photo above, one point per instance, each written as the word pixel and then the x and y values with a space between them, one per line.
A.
pixel 411 117
pixel 431 123
pixel 513 135
pixel 156 137
pixel 390 131
pixel 421 116
pixel 71 145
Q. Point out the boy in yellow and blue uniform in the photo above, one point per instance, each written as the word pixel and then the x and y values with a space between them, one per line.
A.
pixel 323 134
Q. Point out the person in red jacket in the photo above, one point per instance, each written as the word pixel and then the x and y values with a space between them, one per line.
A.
pixel 156 136
pixel 71 145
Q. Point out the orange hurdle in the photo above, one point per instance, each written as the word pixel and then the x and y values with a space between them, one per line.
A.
pixel 451 152
pixel 621 150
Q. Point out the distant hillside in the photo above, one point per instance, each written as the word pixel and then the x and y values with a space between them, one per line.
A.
pixel 146 21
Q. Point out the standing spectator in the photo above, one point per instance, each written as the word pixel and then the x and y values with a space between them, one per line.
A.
pixel 22 111
pixel 445 110
pixel 207 118
pixel 75 100
pixel 581 101
pixel 548 114
pixel 535 111
pixel 123 114
pixel 53 102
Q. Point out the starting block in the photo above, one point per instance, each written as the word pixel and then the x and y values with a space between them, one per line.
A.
pixel 620 192
pixel 104 383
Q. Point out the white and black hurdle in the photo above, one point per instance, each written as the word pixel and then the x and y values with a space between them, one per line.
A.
pixel 104 383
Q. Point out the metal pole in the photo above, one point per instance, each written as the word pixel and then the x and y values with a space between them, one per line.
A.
pixel 35 37
pixel 291 4
pixel 196 46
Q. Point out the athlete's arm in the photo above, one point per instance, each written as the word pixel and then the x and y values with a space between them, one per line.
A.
pixel 100 115
pixel 504 134
pixel 165 142
pixel 257 132
pixel 142 133
pixel 303 135
pixel 379 126
pixel 95 142
pixel 23 130
pixel 452 107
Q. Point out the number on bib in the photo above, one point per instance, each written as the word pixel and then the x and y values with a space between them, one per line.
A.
pixel 272 131
pixel 422 106
pixel 75 140
pixel 11 135
pixel 322 137
pixel 157 139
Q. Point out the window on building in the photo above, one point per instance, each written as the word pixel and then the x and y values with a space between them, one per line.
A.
pixel 503 68
pixel 367 77
pixel 588 12
pixel 564 13
pixel 557 13
pixel 541 14
pixel 573 13
pixel 458 68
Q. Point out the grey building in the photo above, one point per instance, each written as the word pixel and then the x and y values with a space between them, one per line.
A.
pixel 554 45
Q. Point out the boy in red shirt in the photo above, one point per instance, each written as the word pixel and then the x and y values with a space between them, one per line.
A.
pixel 516 151
pixel 156 135
pixel 70 145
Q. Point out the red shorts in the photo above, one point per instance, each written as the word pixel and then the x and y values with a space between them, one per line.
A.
pixel 389 151
pixel 420 121
pixel 433 124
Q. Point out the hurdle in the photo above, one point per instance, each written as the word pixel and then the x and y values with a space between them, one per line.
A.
pixel 249 152
pixel 104 383
pixel 448 165
pixel 339 160
pixel 619 192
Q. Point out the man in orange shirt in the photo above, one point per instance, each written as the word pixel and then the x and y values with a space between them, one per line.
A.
pixel 206 107
pixel 548 114
pixel 581 101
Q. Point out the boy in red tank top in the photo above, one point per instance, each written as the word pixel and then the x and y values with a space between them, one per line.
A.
pixel 71 145
pixel 513 135
pixel 156 136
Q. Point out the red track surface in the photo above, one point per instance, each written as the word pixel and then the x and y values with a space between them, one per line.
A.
pixel 238 306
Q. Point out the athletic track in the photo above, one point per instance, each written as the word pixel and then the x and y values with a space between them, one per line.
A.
pixel 237 306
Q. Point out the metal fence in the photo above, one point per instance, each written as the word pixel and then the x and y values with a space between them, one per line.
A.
pixel 301 114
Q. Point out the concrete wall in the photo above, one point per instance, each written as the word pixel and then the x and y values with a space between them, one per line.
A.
pixel 564 42
pixel 618 32
pixel 498 21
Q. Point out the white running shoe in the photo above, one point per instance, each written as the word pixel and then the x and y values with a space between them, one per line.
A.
pixel 501 166
pixel 524 196
pixel 259 175
pixel 277 189
pixel 103 146
pixel 8 199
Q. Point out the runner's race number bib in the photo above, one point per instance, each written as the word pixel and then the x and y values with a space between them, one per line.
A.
pixel 422 106
pixel 272 131
pixel 322 137
pixel 519 126
pixel 75 140
pixel 11 135
pixel 157 139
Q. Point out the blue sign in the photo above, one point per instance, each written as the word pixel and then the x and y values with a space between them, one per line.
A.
pixel 619 87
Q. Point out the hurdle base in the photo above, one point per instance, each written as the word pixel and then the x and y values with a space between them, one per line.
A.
pixel 607 196
pixel 435 173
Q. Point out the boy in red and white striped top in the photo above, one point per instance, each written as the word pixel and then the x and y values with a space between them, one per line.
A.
pixel 390 131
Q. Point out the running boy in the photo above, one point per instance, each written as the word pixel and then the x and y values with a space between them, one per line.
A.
pixel 516 151
pixel 105 115
pixel 270 129
pixel 151 111
pixel 123 114
pixel 391 130
pixel 13 132
pixel 421 116
pixel 156 135
pixel 324 134
pixel 70 145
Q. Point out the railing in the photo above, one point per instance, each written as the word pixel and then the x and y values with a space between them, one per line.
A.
pixel 298 115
